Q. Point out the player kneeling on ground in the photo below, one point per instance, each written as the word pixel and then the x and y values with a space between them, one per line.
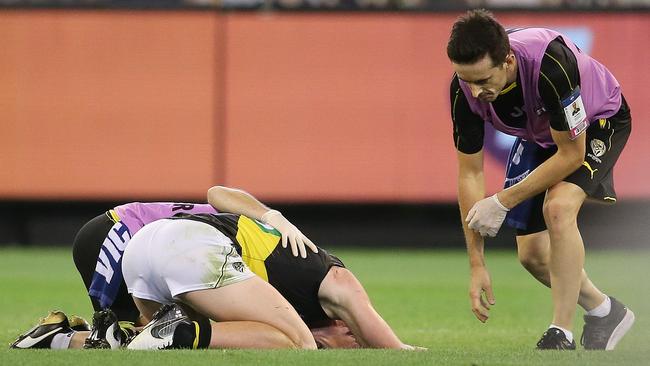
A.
pixel 318 287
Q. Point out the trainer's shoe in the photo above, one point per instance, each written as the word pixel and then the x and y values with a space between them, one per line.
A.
pixel 606 332
pixel 40 336
pixel 554 338
pixel 169 328
pixel 106 332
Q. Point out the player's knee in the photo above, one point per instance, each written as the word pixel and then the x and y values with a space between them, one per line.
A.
pixel 303 340
pixel 298 335
pixel 533 261
pixel 308 343
pixel 533 257
pixel 290 336
pixel 559 214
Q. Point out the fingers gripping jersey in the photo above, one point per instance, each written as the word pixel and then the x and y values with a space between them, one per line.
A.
pixel 129 219
pixel 297 279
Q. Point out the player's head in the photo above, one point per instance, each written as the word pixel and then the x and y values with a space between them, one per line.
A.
pixel 479 50
pixel 334 334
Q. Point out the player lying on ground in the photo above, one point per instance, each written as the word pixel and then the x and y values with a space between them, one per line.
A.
pixel 322 283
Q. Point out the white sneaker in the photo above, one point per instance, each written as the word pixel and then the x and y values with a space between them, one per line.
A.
pixel 604 333
pixel 169 328
pixel 40 336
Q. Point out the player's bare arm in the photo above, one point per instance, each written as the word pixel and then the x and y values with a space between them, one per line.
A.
pixel 240 202
pixel 343 297
pixel 236 201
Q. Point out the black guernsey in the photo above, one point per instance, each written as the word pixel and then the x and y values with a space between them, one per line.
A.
pixel 297 279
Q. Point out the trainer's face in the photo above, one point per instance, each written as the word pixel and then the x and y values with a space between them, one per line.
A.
pixel 484 79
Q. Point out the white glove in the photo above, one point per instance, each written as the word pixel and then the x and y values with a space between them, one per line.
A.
pixel 486 216
pixel 290 233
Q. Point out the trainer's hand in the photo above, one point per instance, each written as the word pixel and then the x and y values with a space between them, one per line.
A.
pixel 486 216
pixel 290 233
pixel 480 293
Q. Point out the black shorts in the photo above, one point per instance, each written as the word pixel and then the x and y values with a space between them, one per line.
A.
pixel 299 280
pixel 85 250
pixel 605 140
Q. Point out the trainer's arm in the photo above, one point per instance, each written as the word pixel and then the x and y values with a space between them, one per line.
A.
pixel 568 158
pixel 239 202
pixel 471 189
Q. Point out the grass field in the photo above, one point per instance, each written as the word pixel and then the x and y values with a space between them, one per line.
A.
pixel 422 294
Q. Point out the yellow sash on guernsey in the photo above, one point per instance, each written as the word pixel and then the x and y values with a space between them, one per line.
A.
pixel 257 242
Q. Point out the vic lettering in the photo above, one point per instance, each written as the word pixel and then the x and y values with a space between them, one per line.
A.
pixel 113 245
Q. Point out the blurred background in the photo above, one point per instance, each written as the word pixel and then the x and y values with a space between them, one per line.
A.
pixel 336 112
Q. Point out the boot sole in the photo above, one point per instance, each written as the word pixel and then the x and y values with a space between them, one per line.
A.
pixel 620 330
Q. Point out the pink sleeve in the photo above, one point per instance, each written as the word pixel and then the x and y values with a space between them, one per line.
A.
pixel 137 214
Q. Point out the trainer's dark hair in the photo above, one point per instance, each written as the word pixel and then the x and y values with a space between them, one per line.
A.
pixel 476 34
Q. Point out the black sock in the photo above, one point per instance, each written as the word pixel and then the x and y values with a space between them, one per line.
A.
pixel 185 335
pixel 204 332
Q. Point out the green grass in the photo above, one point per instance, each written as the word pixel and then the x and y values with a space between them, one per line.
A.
pixel 422 294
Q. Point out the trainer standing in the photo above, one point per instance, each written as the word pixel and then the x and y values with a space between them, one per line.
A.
pixel 572 123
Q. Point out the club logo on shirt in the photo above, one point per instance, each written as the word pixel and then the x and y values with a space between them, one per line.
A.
pixel 238 266
pixel 598 147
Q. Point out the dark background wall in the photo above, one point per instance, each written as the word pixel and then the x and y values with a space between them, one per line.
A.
pixel 624 225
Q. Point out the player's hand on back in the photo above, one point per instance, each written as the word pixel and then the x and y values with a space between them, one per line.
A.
pixel 291 235
pixel 480 293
